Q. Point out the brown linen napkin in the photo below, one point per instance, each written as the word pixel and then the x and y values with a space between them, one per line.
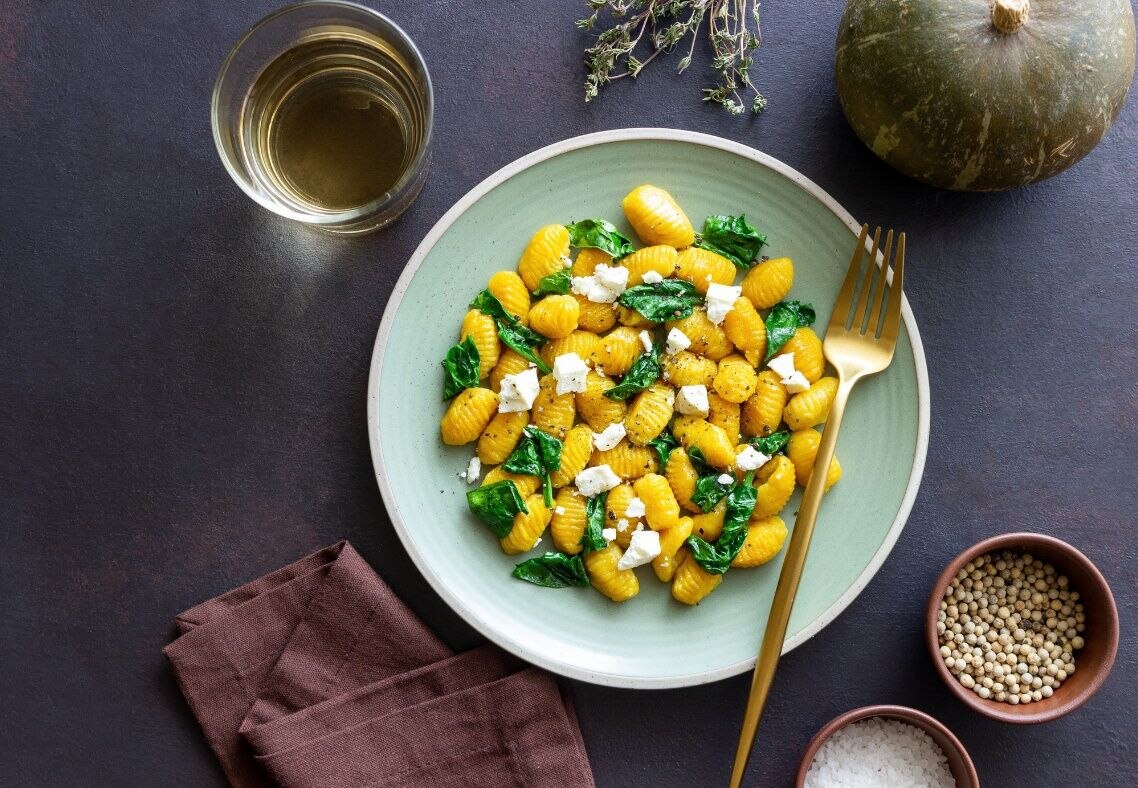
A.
pixel 318 675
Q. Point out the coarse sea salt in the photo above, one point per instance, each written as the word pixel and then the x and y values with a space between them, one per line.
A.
pixel 878 752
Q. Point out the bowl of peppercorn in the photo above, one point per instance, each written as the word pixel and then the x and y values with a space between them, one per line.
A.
pixel 1022 627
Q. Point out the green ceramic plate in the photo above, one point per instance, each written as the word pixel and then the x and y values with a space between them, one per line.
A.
pixel 650 641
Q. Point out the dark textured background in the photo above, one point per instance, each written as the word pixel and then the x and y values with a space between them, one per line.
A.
pixel 182 376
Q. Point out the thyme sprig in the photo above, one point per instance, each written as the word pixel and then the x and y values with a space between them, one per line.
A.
pixel 660 25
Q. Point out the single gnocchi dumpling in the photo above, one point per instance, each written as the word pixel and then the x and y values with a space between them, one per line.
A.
pixel 657 218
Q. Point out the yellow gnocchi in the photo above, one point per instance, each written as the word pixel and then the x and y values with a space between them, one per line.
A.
pixel 631 407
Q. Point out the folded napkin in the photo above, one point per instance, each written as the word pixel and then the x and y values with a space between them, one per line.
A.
pixel 318 675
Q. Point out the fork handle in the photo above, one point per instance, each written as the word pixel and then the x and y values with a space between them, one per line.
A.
pixel 788 581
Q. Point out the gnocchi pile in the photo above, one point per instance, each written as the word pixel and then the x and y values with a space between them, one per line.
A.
pixel 637 405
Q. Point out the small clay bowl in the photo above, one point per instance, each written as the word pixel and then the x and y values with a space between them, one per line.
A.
pixel 1092 662
pixel 963 771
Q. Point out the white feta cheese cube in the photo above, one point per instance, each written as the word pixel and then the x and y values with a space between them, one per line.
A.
pixel 643 547
pixel 796 383
pixel 609 534
pixel 692 401
pixel 783 365
pixel 569 370
pixel 652 277
pixel 721 300
pixel 726 478
pixel 750 459
pixel 473 470
pixel 591 289
pixel 596 480
pixel 605 284
pixel 677 341
pixel 613 278
pixel 518 391
pixel 610 437
pixel 646 341
pixel 621 525
pixel 635 508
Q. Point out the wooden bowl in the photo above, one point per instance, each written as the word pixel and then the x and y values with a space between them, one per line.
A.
pixel 1093 662
pixel 963 771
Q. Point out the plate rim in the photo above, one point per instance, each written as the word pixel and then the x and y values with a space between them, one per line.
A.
pixel 473 617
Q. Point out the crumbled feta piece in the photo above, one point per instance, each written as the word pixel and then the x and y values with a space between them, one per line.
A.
pixel 536 543
pixel 559 510
pixel 750 459
pixel 473 470
pixel 644 546
pixel 793 380
pixel 566 261
pixel 622 525
pixel 646 341
pixel 614 277
pixel 635 508
pixel 796 383
pixel 692 400
pixel 596 480
pixel 783 365
pixel 610 437
pixel 609 534
pixel 677 341
pixel 726 478
pixel 652 277
pixel 721 300
pixel 569 371
pixel 604 286
pixel 518 391
pixel 639 527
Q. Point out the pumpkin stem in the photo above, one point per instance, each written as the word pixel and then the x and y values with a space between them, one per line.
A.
pixel 1008 16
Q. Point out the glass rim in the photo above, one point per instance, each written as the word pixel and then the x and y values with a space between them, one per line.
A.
pixel 351 214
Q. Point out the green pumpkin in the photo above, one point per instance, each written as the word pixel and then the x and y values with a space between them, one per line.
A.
pixel 971 95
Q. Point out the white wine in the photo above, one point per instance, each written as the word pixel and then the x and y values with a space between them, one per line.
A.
pixel 323 114
pixel 328 125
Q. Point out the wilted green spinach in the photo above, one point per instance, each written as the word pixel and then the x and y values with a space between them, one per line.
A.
pixel 557 283
pixel 496 505
pixel 645 371
pixel 771 444
pixel 593 537
pixel 716 557
pixel 734 238
pixel 537 454
pixel 553 570
pixel 599 234
pixel 784 319
pixel 461 366
pixel 670 299
pixel 510 330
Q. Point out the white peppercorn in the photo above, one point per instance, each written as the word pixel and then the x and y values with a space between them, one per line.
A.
pixel 1009 626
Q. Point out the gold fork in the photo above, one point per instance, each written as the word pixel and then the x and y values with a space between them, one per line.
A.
pixel 856 348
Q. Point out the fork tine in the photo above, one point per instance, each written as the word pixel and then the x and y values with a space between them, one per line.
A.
pixel 897 289
pixel 841 314
pixel 879 290
pixel 867 285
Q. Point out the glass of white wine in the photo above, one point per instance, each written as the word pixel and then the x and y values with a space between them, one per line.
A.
pixel 322 113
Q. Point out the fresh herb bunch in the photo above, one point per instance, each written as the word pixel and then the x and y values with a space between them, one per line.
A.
pixel 666 23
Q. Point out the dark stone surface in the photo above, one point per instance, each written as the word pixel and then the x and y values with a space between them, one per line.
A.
pixel 182 377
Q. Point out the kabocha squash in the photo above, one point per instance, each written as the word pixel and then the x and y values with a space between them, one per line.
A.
pixel 978 95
